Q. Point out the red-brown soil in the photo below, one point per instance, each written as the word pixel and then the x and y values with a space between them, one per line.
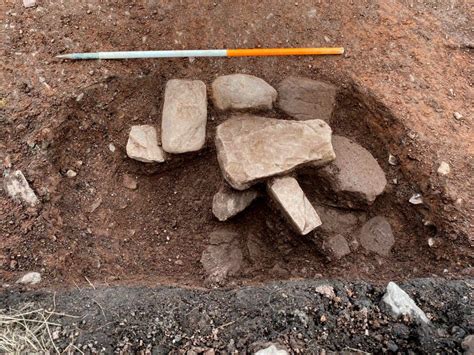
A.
pixel 407 69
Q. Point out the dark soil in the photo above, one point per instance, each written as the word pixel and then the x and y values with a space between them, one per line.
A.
pixel 292 314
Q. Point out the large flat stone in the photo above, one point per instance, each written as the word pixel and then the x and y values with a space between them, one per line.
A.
pixel 183 125
pixel 143 145
pixel 355 176
pixel 242 92
pixel 290 198
pixel 306 99
pixel 252 148
pixel 228 202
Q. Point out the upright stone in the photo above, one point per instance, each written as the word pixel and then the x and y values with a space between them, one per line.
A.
pixel 228 202
pixel 242 92
pixel 355 176
pixel 290 198
pixel 143 145
pixel 183 125
pixel 306 99
pixel 252 148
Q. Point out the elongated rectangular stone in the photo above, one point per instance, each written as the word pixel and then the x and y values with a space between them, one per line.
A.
pixel 252 148
pixel 290 198
pixel 183 125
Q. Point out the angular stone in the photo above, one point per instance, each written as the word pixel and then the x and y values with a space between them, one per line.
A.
pixel 18 188
pixel 271 350
pixel 227 202
pixel 336 221
pixel 143 145
pixel 30 278
pixel 335 247
pixel 183 125
pixel 223 257
pixel 129 182
pixel 376 236
pixel 399 303
pixel 289 196
pixel 306 99
pixel 242 92
pixel 326 290
pixel 355 176
pixel 252 148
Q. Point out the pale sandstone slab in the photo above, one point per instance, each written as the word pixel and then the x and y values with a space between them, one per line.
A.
pixel 241 92
pixel 143 145
pixel 252 148
pixel 289 196
pixel 306 99
pixel 183 125
pixel 228 202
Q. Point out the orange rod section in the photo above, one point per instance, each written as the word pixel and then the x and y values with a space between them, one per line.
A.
pixel 282 51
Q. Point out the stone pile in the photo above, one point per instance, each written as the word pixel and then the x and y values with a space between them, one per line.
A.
pixel 256 150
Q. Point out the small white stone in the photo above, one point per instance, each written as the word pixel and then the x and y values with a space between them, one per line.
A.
pixel 29 3
pixel 392 160
pixel 112 147
pixel 18 188
pixel 79 97
pixel 400 303
pixel 444 168
pixel 416 199
pixel 326 290
pixel 430 242
pixel 30 278
pixel 457 115
pixel 71 173
pixel 271 350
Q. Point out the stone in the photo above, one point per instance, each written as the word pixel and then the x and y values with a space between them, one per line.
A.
pixel 457 115
pixel 335 247
pixel 242 92
pixel 183 125
pixel 223 257
pixel 444 168
pixel 337 221
pixel 468 344
pixel 31 278
pixel 71 173
pixel 290 198
pixel 416 199
pixel 355 176
pixel 228 202
pixel 143 145
pixel 17 187
pixel 129 182
pixel 306 99
pixel 399 303
pixel 376 236
pixel 252 148
pixel 326 290
pixel 271 350
pixel 29 3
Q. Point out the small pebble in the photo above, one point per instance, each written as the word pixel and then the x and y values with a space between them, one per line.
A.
pixel 71 173
pixel 29 3
pixel 444 168
pixel 416 199
pixel 112 147
pixel 457 115
pixel 392 160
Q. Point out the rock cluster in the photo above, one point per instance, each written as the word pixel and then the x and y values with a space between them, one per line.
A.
pixel 254 150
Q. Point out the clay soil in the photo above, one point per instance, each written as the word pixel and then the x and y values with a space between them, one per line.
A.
pixel 406 70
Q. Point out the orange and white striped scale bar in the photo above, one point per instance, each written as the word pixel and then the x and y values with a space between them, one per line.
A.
pixel 252 52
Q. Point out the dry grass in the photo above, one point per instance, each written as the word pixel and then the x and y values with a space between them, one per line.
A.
pixel 27 330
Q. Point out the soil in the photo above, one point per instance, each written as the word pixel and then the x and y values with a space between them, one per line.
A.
pixel 406 70
pixel 292 314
